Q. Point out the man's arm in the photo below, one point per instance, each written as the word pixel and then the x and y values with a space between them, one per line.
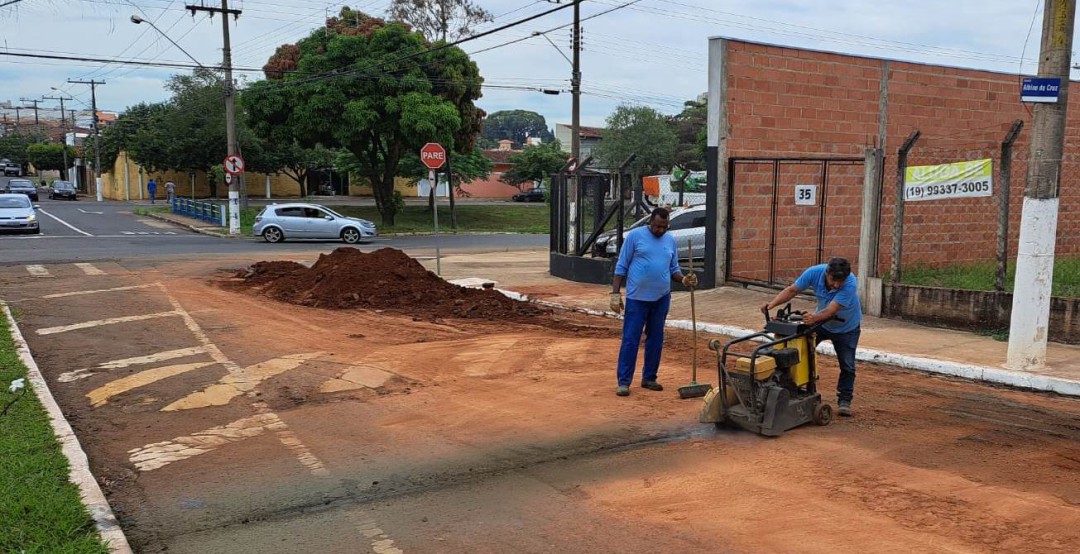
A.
pixel 781 297
pixel 616 284
pixel 832 309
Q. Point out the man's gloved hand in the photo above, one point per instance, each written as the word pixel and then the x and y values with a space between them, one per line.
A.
pixel 689 280
pixel 616 304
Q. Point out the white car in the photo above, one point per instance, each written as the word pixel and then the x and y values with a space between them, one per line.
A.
pixel 684 224
pixel 277 222
pixel 18 214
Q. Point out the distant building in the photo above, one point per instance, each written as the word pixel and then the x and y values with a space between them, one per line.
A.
pixel 589 136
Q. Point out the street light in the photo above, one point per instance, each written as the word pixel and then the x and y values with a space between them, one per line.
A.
pixel 539 34
pixel 137 20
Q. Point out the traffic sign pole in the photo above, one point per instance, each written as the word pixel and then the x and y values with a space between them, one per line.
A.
pixel 435 215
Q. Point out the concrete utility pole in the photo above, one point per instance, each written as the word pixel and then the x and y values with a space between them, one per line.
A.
pixel 230 113
pixel 1029 327
pixel 63 128
pixel 97 133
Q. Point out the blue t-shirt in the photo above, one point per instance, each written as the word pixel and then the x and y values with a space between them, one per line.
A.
pixel 847 296
pixel 647 262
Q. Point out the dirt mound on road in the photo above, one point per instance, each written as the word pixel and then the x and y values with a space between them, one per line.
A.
pixel 386 279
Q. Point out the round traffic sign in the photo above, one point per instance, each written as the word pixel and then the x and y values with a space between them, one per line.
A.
pixel 433 155
pixel 234 164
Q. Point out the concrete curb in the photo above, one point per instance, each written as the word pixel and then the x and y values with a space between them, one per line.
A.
pixel 92 497
pixel 1018 379
pixel 200 230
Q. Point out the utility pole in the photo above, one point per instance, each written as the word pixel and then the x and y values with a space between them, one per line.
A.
pixel 1029 325
pixel 97 133
pixel 34 107
pixel 575 140
pixel 230 113
pixel 63 128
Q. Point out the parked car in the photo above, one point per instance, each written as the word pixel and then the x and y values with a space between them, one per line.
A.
pixel 683 224
pixel 12 169
pixel 62 189
pixel 22 186
pixel 277 222
pixel 531 195
pixel 17 214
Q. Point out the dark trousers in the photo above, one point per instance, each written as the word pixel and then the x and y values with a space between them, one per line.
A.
pixel 845 345
pixel 650 317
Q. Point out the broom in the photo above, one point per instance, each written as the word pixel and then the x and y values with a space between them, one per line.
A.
pixel 693 390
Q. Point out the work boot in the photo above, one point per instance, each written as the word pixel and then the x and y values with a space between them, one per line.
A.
pixel 652 385
pixel 623 390
pixel 844 408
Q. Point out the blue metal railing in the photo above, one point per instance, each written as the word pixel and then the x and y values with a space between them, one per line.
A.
pixel 205 211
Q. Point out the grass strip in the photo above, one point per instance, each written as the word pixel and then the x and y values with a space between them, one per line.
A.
pixel 40 509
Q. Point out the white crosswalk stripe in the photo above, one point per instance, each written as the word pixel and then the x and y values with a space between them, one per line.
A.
pixel 89 269
pixel 38 271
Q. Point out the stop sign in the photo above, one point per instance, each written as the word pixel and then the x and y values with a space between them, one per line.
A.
pixel 433 155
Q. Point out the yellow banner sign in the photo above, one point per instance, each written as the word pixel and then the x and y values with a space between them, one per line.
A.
pixel 955 180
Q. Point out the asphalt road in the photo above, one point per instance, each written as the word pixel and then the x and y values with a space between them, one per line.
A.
pixel 85 230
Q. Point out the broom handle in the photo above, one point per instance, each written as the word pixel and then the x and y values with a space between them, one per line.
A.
pixel 693 314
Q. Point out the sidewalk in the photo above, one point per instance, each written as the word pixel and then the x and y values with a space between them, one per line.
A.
pixel 734 311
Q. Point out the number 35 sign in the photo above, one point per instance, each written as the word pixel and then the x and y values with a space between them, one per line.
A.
pixel 806 195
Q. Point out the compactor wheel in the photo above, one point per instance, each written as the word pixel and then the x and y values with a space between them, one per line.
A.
pixel 823 414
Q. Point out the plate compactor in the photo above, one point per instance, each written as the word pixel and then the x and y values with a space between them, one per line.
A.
pixel 774 388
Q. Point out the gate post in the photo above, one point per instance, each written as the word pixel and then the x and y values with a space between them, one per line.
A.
pixel 870 233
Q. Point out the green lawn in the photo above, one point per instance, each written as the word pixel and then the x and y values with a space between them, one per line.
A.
pixel 981 277
pixel 40 510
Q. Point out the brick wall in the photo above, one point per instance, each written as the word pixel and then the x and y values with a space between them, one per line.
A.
pixel 785 102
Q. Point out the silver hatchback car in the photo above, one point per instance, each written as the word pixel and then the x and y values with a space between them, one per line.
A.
pixel 310 221
pixel 18 214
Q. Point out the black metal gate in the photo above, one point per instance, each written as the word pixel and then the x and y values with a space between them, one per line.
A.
pixel 787 214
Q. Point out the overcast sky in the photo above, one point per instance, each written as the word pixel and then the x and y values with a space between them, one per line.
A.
pixel 652 52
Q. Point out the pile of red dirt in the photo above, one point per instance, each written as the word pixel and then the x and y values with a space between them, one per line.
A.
pixel 386 279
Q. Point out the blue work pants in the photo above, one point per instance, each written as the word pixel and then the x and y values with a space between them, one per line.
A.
pixel 650 317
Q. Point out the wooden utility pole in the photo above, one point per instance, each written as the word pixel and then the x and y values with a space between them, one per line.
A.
pixel 34 107
pixel 63 128
pixel 1030 319
pixel 230 112
pixel 97 133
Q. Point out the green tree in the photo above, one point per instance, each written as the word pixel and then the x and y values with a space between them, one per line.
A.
pixel 13 147
pixel 466 168
pixel 689 126
pixel 288 158
pixel 373 89
pixel 515 125
pixel 46 156
pixel 638 130
pixel 534 163
pixel 440 19
pixel 139 132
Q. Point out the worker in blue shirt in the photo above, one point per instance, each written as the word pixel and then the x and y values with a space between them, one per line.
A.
pixel 837 295
pixel 648 263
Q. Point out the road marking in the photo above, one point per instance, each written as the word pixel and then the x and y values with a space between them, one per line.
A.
pixel 38 271
pixel 101 395
pixel 381 543
pixel 89 269
pixel 99 291
pixel 357 377
pixel 86 212
pixel 100 322
pixel 236 384
pixel 287 438
pixel 70 376
pixel 159 454
pixel 66 224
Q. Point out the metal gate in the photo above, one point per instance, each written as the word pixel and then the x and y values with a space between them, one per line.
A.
pixel 787 214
